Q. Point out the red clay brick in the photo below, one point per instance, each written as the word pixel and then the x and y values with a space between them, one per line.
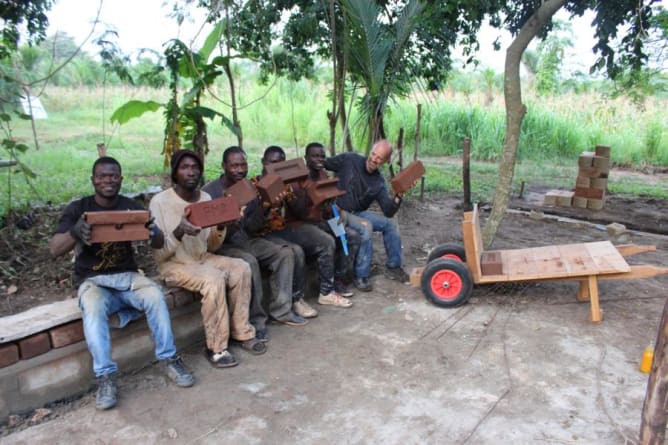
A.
pixel 290 170
pixel 595 193
pixel 217 211
pixel 243 191
pixel 582 192
pixel 491 263
pixel 270 186
pixel 66 334
pixel 9 354
pixel 323 190
pixel 118 225
pixel 405 179
pixel 34 345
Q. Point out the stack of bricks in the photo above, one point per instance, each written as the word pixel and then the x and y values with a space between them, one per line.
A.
pixel 592 178
pixel 590 184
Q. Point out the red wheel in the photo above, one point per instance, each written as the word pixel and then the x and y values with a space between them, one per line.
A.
pixel 451 251
pixel 446 282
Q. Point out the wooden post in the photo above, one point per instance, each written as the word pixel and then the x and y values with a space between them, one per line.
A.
pixel 654 416
pixel 400 148
pixel 466 171
pixel 417 132
pixel 101 149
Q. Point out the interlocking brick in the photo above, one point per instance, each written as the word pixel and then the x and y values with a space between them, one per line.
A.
pixel 581 192
pixel 118 225
pixel 565 198
pixel 602 150
pixel 405 179
pixel 599 183
pixel 602 163
pixel 595 193
pixel 270 187
pixel 9 354
pixel 582 181
pixel 595 204
pixel 491 263
pixel 580 202
pixel 322 190
pixel 66 334
pixel 34 345
pixel 243 191
pixel 586 159
pixel 290 170
pixel 221 210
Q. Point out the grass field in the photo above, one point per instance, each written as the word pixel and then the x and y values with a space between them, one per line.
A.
pixel 555 132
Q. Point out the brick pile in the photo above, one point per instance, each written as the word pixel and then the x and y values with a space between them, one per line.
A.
pixel 590 185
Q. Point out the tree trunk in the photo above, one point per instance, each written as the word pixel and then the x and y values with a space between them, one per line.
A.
pixel 332 116
pixel 515 111
pixel 654 417
pixel 230 79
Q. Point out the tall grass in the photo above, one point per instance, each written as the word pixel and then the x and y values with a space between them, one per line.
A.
pixel 291 114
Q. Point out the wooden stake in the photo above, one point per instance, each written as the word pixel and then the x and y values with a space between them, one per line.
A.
pixel 400 148
pixel 417 134
pixel 466 171
pixel 654 416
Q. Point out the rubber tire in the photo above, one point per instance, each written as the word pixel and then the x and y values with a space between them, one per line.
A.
pixel 455 272
pixel 452 251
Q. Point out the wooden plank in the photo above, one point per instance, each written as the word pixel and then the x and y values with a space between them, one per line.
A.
pixel 577 259
pixel 37 319
pixel 607 258
pixel 472 242
pixel 637 271
pixel 596 313
pixel 633 249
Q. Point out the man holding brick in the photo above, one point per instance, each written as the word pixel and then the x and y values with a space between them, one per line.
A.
pixel 109 282
pixel 360 177
pixel 187 260
pixel 258 252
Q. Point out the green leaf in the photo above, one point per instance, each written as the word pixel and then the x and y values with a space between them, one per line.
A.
pixel 133 109
pixel 21 147
pixel 5 117
pixel 8 143
pixel 211 41
pixel 26 171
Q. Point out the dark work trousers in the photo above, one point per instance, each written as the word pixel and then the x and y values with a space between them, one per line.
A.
pixel 315 243
pixel 279 262
pixel 343 265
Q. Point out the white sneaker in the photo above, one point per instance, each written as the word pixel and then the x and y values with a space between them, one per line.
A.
pixel 334 299
pixel 303 309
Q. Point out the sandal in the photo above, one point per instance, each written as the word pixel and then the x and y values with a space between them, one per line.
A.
pixel 254 346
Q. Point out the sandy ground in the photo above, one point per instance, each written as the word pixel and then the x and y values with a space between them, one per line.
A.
pixel 519 363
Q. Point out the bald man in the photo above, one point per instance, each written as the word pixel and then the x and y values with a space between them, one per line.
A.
pixel 360 177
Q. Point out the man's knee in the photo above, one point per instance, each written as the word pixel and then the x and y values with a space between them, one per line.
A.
pixel 91 299
pixel 366 231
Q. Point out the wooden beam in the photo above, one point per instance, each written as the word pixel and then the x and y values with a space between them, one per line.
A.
pixel 654 415
pixel 634 249
pixel 637 271
pixel 596 313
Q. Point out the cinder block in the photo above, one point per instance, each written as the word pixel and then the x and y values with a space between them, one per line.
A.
pixel 34 345
pixel 602 150
pixel 243 191
pixel 405 179
pixel 118 225
pixel 322 190
pixel 270 187
pixel 491 263
pixel 582 181
pixel 581 192
pixel 66 334
pixel 580 202
pixel 599 183
pixel 290 170
pixel 601 163
pixel 565 199
pixel 595 193
pixel 9 354
pixel 586 159
pixel 223 210
pixel 595 204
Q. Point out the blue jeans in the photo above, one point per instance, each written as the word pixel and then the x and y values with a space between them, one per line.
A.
pixel 129 294
pixel 375 222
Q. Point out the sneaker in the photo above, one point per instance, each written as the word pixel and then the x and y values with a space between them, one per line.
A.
pixel 363 284
pixel 303 309
pixel 293 320
pixel 397 274
pixel 223 359
pixel 262 335
pixel 334 299
pixel 177 372
pixel 106 392
pixel 254 346
pixel 342 289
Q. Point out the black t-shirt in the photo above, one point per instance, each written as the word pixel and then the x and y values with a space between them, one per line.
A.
pixel 98 258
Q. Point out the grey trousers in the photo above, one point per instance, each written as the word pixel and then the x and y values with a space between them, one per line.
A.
pixel 278 260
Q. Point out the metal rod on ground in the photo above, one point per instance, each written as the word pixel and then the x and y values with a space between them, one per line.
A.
pixel 466 172
pixel 654 416
pixel 417 133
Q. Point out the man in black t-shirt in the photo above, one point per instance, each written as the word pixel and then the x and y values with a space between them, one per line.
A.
pixel 109 282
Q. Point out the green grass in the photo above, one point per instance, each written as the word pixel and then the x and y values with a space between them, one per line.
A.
pixel 291 114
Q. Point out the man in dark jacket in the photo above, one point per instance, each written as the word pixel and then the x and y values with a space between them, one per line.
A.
pixel 109 282
pixel 360 177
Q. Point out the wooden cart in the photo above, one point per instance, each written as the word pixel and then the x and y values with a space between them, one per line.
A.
pixel 448 278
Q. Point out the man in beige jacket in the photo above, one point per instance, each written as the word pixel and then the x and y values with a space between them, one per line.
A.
pixel 186 261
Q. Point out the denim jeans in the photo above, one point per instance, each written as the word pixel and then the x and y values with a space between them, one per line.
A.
pixel 375 223
pixel 126 293
pixel 315 243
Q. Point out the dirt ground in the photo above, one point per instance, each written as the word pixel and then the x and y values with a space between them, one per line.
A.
pixel 519 362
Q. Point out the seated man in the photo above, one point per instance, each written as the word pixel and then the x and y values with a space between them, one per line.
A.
pixel 185 261
pixel 303 239
pixel 302 208
pixel 257 251
pixel 360 177
pixel 109 282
